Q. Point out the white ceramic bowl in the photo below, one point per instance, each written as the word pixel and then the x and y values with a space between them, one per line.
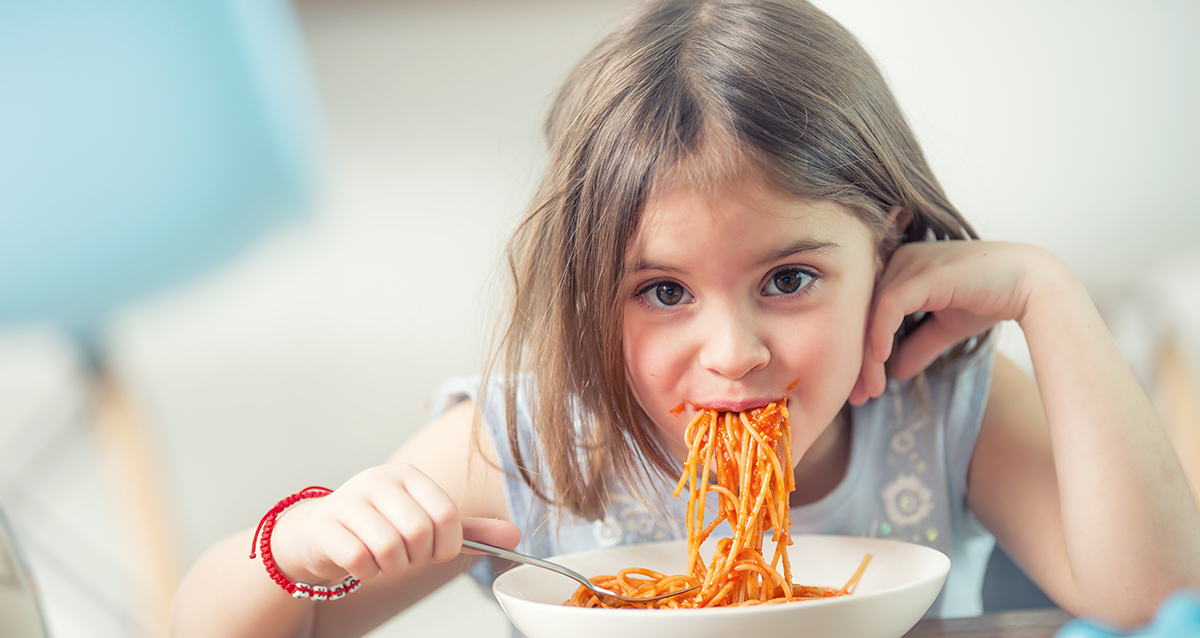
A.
pixel 897 588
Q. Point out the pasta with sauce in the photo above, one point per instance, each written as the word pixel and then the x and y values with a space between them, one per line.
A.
pixel 749 453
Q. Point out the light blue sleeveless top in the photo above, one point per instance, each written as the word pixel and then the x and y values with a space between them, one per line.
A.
pixel 906 479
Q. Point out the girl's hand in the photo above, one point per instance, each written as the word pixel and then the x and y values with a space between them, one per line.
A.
pixel 384 520
pixel 965 286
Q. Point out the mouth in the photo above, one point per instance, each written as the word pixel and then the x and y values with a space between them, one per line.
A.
pixel 725 404
pixel 740 405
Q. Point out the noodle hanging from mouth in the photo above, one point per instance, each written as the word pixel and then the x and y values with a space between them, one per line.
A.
pixel 750 453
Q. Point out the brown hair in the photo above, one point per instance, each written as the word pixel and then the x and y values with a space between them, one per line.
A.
pixel 700 91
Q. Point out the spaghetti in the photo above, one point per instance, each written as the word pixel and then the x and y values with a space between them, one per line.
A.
pixel 749 453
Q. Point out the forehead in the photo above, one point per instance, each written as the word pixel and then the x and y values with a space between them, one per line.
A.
pixel 744 217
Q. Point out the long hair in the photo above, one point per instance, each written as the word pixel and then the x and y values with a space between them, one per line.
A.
pixel 682 90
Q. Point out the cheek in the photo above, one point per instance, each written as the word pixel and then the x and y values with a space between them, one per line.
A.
pixel 648 358
pixel 652 344
pixel 655 360
pixel 826 354
pixel 827 364
pixel 638 350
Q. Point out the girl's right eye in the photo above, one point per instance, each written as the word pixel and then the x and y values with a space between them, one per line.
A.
pixel 664 294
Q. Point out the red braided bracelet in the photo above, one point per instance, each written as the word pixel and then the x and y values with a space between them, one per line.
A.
pixel 262 538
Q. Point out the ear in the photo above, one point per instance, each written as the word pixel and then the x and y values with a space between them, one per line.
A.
pixel 898 220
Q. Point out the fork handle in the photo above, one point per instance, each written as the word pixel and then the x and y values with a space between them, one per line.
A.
pixel 529 560
pixel 607 596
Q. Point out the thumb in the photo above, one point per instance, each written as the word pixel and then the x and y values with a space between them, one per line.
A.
pixel 492 531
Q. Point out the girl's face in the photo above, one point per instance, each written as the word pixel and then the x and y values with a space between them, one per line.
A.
pixel 736 295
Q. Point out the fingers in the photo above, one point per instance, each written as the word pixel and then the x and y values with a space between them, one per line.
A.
pixel 922 348
pixel 396 531
pixel 341 552
pixel 502 534
pixel 871 381
pixel 386 520
pixel 895 299
pixel 348 554
pixel 428 520
pixel 962 292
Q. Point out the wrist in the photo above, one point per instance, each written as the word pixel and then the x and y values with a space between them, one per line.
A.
pixel 262 538
pixel 1047 283
pixel 288 547
pixel 1059 310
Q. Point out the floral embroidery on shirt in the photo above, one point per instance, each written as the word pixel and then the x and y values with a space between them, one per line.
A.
pixel 608 531
pixel 907 501
pixel 903 441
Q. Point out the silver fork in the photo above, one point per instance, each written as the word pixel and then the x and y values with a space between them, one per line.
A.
pixel 605 596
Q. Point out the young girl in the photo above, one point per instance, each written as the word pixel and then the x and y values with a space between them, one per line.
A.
pixel 736 211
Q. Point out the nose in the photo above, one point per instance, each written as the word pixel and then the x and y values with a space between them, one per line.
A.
pixel 732 345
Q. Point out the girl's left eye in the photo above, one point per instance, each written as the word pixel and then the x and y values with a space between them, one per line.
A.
pixel 786 281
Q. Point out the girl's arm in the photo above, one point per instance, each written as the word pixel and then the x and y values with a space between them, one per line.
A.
pixel 1075 476
pixel 397 527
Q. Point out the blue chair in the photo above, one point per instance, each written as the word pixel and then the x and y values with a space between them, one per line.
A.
pixel 142 143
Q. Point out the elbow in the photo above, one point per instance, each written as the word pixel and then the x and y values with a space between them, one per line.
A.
pixel 1127 615
pixel 1177 615
pixel 1131 606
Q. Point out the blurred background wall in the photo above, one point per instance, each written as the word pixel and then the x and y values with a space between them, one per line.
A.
pixel 310 356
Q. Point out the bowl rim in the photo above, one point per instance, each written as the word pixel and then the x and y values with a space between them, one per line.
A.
pixel 940 572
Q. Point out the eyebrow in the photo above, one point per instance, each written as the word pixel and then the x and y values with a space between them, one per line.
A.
pixel 802 246
pixel 650 265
